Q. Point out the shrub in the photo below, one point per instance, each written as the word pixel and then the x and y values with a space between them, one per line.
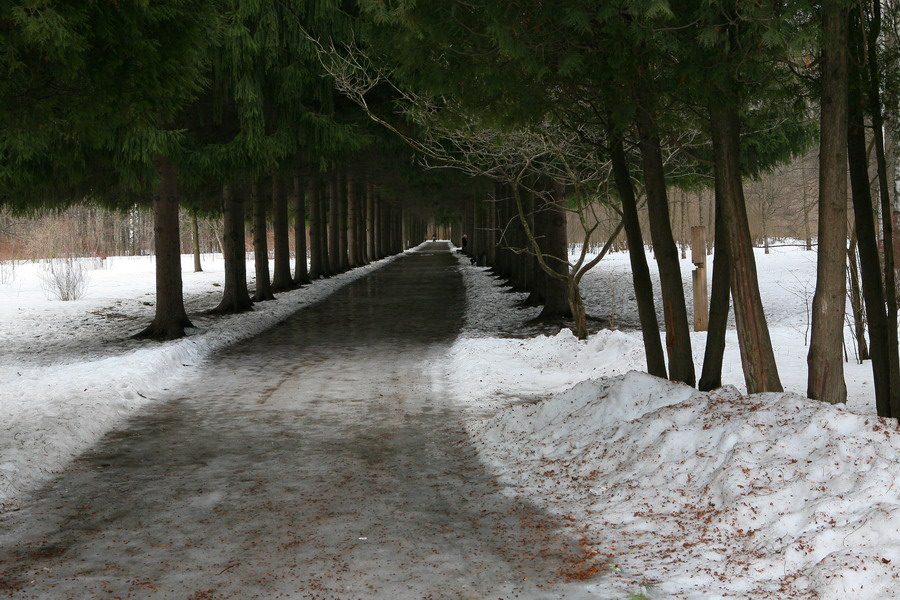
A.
pixel 7 271
pixel 64 278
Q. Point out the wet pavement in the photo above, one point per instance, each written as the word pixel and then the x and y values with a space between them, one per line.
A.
pixel 324 458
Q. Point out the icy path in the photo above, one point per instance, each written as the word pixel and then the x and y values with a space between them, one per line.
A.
pixel 320 459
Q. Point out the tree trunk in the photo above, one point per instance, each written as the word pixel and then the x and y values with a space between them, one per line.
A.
pixel 316 242
pixel 516 244
pixel 757 355
pixel 376 228
pixel 170 318
pixel 301 274
pixel 504 217
pixel 281 276
pixel 334 226
pixel 538 279
pixel 864 223
pixel 260 247
pixel 385 229
pixel 218 235
pixel 555 247
pixel 678 340
pixel 352 225
pixel 576 306
pixel 491 234
pixel 859 324
pixel 826 368
pixel 471 236
pixel 324 199
pixel 887 209
pixel 195 237
pixel 343 198
pixel 683 232
pixel 360 199
pixel 235 296
pixel 719 303
pixel 394 231
pixel 640 271
pixel 370 223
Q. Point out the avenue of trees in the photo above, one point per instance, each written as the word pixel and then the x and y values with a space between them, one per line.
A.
pixel 362 122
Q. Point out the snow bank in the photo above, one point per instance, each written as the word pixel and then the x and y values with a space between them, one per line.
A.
pixel 787 279
pixel 53 408
pixel 540 364
pixel 674 492
pixel 719 494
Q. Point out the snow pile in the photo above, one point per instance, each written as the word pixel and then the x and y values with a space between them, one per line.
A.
pixel 541 364
pixel 787 280
pixel 55 402
pixel 674 492
pixel 706 494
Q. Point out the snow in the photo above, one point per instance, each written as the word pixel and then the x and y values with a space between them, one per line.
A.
pixel 787 279
pixel 675 492
pixel 69 372
pixel 672 492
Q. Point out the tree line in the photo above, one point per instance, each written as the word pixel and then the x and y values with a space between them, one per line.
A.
pixel 519 116
pixel 217 106
pixel 566 103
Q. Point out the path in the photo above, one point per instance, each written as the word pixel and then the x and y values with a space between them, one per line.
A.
pixel 321 459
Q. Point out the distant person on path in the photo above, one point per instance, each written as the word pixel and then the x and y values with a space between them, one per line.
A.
pixel 465 242
pixel 433 237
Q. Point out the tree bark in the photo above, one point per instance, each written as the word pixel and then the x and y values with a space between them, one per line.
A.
pixel 640 271
pixel 195 238
pixel 343 256
pixel 334 226
pixel 864 223
pixel 503 266
pixel 887 209
pixel 324 199
pixel 856 308
pixel 281 276
pixel 235 296
pixel 316 242
pixel 826 368
pixel 260 247
pixel 385 229
pixel 757 354
pixel 517 244
pixel 678 340
pixel 352 225
pixel 359 224
pixel 170 318
pixel 301 273
pixel 719 304
pixel 491 234
pixel 538 279
pixel 370 223
pixel 554 244
pixel 469 226
pixel 376 228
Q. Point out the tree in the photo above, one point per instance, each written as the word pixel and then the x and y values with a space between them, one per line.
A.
pixel 62 83
pixel 826 369
pixel 282 280
pixel 301 271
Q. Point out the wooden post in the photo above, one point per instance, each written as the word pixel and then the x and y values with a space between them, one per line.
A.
pixel 701 298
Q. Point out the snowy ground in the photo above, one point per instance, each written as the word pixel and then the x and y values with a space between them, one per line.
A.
pixel 787 280
pixel 672 492
pixel 69 371
pixel 324 458
pixel 678 493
